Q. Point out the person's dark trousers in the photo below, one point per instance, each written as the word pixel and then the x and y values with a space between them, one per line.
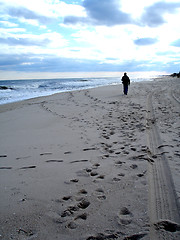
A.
pixel 125 89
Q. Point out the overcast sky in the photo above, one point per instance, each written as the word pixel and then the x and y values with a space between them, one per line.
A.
pixel 89 35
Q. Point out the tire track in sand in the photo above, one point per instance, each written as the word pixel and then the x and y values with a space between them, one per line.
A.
pixel 172 95
pixel 163 205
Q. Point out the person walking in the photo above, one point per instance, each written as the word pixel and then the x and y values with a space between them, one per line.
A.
pixel 126 83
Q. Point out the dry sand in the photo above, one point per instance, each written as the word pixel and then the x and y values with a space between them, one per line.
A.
pixel 92 164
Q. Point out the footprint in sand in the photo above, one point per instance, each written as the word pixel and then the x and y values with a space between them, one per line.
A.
pixel 82 191
pixel 82 216
pixel 69 211
pixel 124 216
pixel 83 204
pixel 117 153
pixel 140 175
pixel 115 179
pixel 19 158
pixel 72 210
pixel 93 173
pixel 111 151
pixel 134 166
pixel 47 153
pixel 57 161
pixel 119 163
pixel 75 180
pixel 69 152
pixel 27 233
pixel 96 165
pixel 28 167
pixel 101 176
pixel 101 195
pixel 121 174
pixel 125 152
pixel 99 190
pixel 79 161
pixel 88 170
pixel 89 149
pixel 167 225
pixel 82 173
pixel 5 167
pixel 71 215
pixel 72 225
pixel 66 198
pixel 133 149
pixel 102 236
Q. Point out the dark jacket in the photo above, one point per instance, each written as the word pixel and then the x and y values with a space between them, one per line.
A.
pixel 125 80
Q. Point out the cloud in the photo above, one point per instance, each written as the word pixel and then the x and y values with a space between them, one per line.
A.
pixel 28 14
pixel 102 12
pixel 145 41
pixel 8 24
pixel 176 43
pixel 46 43
pixel 5 31
pixel 165 53
pixel 12 41
pixel 45 63
pixel 50 63
pixel 67 9
pixel 153 15
pixel 76 20
pixel 108 13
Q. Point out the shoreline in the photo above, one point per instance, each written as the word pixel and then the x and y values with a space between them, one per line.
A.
pixel 75 165
pixel 65 90
pixel 13 105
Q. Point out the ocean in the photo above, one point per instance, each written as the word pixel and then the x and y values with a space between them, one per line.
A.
pixel 18 90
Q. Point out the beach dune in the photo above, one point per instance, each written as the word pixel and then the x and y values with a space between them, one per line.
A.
pixel 92 164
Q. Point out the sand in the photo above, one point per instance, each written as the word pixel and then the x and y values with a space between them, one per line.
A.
pixel 92 164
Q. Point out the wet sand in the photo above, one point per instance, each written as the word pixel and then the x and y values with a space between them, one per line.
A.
pixel 92 164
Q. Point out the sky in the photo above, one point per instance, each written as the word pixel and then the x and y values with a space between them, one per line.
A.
pixel 51 36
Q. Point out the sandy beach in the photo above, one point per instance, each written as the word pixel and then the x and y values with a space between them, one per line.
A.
pixel 92 164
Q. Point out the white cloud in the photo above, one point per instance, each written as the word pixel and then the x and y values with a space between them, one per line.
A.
pixel 38 6
pixel 42 27
pixel 32 22
pixel 135 8
pixel 5 31
pixel 108 43
pixel 25 43
pixel 56 39
pixel 63 9
pixel 8 24
pixel 48 8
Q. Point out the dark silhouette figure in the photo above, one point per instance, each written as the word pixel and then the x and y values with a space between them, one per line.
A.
pixel 126 83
